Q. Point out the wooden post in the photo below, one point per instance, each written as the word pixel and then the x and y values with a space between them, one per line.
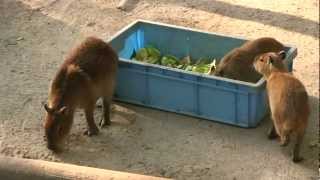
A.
pixel 17 168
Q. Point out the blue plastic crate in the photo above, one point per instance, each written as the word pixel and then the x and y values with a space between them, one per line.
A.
pixel 214 98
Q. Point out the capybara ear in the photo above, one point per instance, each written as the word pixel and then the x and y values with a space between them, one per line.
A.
pixel 63 110
pixel 282 54
pixel 47 108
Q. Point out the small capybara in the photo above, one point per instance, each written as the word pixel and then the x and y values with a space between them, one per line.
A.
pixel 238 63
pixel 88 73
pixel 288 100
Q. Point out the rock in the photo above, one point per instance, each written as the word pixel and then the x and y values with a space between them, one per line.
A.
pixel 13 40
pixel 163 172
pixel 126 4
pixel 17 152
pixel 314 144
pixel 146 147
pixel 90 24
pixel 20 39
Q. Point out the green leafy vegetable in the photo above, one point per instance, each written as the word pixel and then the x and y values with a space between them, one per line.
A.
pixel 150 54
pixel 169 61
pixel 202 68
pixel 142 54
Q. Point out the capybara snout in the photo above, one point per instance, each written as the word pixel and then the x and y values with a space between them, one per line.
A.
pixel 57 125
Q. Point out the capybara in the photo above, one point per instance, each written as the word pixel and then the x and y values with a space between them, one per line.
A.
pixel 88 73
pixel 238 63
pixel 288 100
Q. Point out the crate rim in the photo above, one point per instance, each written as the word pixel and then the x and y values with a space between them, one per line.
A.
pixel 262 81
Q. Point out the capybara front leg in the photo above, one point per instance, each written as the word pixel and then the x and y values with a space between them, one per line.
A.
pixel 92 129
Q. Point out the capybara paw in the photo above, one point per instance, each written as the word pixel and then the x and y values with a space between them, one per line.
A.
pixel 297 159
pixel 104 123
pixel 284 142
pixel 54 149
pixel 91 131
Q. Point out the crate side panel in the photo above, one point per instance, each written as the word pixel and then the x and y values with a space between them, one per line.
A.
pixel 130 85
pixel 171 95
pixel 217 104
pixel 242 108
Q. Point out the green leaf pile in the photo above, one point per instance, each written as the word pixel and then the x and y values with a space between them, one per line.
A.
pixel 152 55
pixel 148 54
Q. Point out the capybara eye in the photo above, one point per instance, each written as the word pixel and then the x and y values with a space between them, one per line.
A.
pixel 261 60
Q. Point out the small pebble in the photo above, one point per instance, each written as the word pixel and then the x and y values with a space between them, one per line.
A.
pixel 90 24
pixel 313 144
pixel 20 38
pixel 162 172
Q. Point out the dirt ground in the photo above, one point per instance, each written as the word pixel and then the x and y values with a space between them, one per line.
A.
pixel 36 34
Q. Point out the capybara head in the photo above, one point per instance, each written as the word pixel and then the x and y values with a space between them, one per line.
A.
pixel 268 62
pixel 57 125
pixel 224 68
pixel 236 65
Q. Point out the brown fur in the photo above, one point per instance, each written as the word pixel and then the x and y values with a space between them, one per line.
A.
pixel 288 100
pixel 237 64
pixel 88 73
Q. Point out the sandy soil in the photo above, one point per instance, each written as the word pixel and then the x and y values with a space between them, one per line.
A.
pixel 36 34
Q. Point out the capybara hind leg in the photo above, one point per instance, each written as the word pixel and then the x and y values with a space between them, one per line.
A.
pixel 92 128
pixel 297 147
pixel 272 134
pixel 284 137
pixel 105 121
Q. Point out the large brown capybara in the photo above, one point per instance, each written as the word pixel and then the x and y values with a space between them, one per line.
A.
pixel 87 74
pixel 238 63
pixel 288 100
